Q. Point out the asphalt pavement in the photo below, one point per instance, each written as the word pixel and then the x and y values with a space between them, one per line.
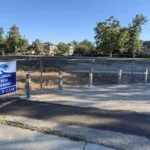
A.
pixel 119 121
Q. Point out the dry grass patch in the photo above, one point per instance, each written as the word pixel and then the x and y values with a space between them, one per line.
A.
pixel 50 80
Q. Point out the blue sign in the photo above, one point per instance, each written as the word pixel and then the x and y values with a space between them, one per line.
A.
pixel 7 77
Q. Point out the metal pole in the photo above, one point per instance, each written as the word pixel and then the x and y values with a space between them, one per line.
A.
pixel 133 71
pixel 90 78
pixel 41 74
pixel 60 80
pixel 28 86
pixel 146 75
pixel 119 76
pixel 91 75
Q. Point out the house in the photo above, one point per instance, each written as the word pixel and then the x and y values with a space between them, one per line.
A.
pixel 49 49
pixel 71 50
pixel 146 47
pixel 52 48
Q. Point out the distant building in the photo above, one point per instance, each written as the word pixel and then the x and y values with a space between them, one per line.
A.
pixel 146 47
pixel 52 48
pixel 71 51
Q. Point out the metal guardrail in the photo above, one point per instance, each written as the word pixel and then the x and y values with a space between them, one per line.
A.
pixel 91 72
pixel 112 72
pixel 90 66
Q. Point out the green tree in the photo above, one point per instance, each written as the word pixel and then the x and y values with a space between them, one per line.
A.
pixel 107 34
pixel 1 35
pixel 62 49
pixel 135 29
pixel 46 48
pixel 14 42
pixel 38 46
pixel 74 43
pixel 111 37
pixel 123 40
pixel 23 44
pixel 2 42
pixel 85 48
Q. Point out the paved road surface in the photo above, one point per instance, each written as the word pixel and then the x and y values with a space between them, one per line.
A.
pixel 119 121
pixel 12 138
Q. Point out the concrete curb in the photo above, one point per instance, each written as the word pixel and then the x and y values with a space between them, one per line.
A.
pixel 7 103
pixel 107 138
pixel 33 140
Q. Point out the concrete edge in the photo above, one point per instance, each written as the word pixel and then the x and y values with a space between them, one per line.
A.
pixel 7 103
pixel 56 133
pixel 101 137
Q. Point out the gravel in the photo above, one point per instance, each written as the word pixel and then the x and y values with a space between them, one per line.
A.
pixel 134 97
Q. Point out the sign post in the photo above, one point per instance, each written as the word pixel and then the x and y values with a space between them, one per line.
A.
pixel 7 77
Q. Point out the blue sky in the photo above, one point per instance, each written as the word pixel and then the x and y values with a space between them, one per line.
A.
pixel 67 20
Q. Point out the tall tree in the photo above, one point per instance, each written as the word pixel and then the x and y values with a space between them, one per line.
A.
pixel 135 29
pixel 38 46
pixel 111 37
pixel 123 40
pixel 63 49
pixel 14 42
pixel 23 44
pixel 107 35
pixel 2 42
pixel 1 35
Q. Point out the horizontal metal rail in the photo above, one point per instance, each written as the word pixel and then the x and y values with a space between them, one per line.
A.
pixel 111 72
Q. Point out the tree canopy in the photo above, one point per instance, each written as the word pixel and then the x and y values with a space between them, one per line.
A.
pixel 1 35
pixel 63 49
pixel 84 48
pixel 38 46
pixel 14 41
pixel 2 42
pixel 111 37
pixel 135 29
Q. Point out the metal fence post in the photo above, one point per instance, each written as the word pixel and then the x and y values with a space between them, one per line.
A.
pixel 119 76
pixel 133 71
pixel 60 80
pixel 41 74
pixel 28 86
pixel 146 75
pixel 91 74
pixel 90 78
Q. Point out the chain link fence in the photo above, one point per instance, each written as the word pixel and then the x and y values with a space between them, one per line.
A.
pixel 76 72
